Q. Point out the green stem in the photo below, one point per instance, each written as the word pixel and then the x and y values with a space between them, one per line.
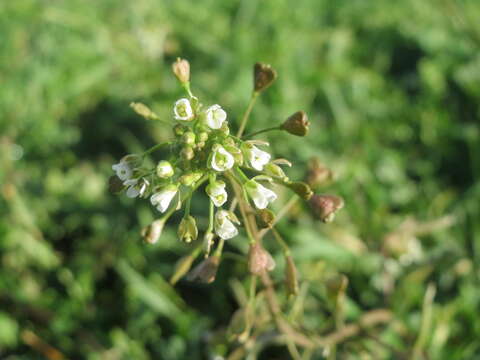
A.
pixel 156 147
pixel 186 86
pixel 262 131
pixel 281 242
pixel 219 249
pixel 242 174
pixel 247 113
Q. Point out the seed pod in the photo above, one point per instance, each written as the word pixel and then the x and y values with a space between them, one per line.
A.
pixel 266 218
pixel 144 110
pixel 206 271
pixel 151 233
pixel 263 76
pixel 318 174
pixel 297 124
pixel 181 69
pixel 324 207
pixel 301 189
pixel 259 260
pixel 182 267
pixel 115 185
pixel 291 280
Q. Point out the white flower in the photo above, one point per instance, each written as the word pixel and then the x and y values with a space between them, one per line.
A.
pixel 224 227
pixel 257 158
pixel 124 170
pixel 164 169
pixel 215 116
pixel 183 110
pixel 163 198
pixel 216 191
pixel 136 187
pixel 222 160
pixel 260 194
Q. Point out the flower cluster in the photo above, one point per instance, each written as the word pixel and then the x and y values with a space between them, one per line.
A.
pixel 205 156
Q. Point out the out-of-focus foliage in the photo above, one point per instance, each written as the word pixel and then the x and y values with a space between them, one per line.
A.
pixel 392 89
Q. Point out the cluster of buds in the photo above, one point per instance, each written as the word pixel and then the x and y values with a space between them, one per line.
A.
pixel 204 154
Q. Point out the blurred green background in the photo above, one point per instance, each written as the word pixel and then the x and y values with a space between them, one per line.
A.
pixel 392 89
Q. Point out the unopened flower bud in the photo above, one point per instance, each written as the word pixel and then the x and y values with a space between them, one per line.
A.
pixel 206 271
pixel 263 76
pixel 144 110
pixel 224 129
pixel 181 69
pixel 188 138
pixel 164 170
pixel 297 124
pixel 291 281
pixel 266 218
pixel 275 170
pixel 203 136
pixel 325 206
pixel 115 185
pixel 182 267
pixel 190 178
pixel 318 174
pixel 187 153
pixel 180 129
pixel 259 260
pixel 301 189
pixel 151 233
pixel 187 230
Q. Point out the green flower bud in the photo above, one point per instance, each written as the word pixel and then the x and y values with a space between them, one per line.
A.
pixel 181 69
pixel 225 130
pixel 164 170
pixel 187 153
pixel 275 170
pixel 297 124
pixel 179 129
pixel 203 136
pixel 324 207
pixel 187 230
pixel 263 76
pixel 144 110
pixel 188 138
pixel 191 178
pixel 200 145
pixel 115 185
pixel 206 271
pixel 301 189
pixel 266 218
pixel 291 280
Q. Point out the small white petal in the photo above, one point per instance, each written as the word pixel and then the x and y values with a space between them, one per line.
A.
pixel 224 228
pixel 215 116
pixel 258 158
pixel 217 193
pixel 222 160
pixel 260 194
pixel 123 170
pixel 163 198
pixel 183 110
